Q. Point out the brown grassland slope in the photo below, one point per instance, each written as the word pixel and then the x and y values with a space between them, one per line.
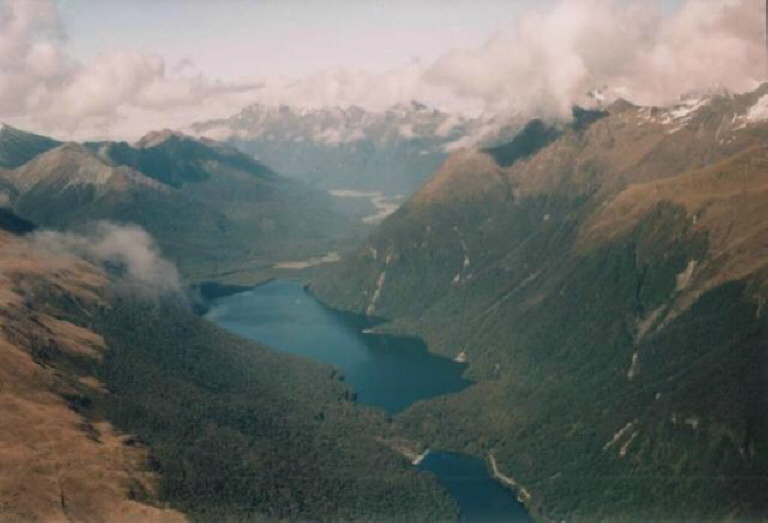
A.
pixel 56 465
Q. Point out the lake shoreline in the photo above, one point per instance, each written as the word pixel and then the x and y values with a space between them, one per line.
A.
pixel 383 204
pixel 523 496
pixel 414 452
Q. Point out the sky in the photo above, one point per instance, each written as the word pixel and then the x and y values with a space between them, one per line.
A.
pixel 245 38
pixel 114 68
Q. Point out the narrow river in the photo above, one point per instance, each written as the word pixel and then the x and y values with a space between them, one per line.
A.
pixel 389 372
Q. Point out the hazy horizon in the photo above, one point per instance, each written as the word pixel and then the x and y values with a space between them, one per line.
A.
pixel 114 69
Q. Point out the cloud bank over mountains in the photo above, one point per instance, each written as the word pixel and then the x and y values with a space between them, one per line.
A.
pixel 553 58
pixel 43 88
pixel 556 56
pixel 549 60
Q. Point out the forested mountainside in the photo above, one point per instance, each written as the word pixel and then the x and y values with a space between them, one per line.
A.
pixel 606 281
pixel 58 464
pixel 212 209
pixel 393 151
pixel 119 404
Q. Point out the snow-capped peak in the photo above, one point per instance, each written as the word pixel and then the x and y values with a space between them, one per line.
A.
pixel 678 115
pixel 335 125
pixel 759 111
pixel 688 107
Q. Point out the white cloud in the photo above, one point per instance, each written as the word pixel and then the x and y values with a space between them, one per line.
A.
pixel 547 61
pixel 554 56
pixel 759 111
pixel 126 251
pixel 121 93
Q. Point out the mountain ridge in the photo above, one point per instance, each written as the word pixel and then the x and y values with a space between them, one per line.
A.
pixel 119 404
pixel 183 191
pixel 607 289
pixel 393 151
pixel 18 147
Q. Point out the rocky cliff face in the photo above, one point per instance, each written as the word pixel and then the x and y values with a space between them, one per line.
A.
pixel 606 280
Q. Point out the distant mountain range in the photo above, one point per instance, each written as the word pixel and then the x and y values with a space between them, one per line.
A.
pixel 393 151
pixel 211 208
pixel 606 282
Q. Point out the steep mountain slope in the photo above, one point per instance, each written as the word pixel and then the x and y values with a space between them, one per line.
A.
pixel 7 190
pixel 69 187
pixel 18 147
pixel 56 465
pixel 174 159
pixel 14 224
pixel 606 283
pixel 349 148
pixel 186 193
pixel 119 404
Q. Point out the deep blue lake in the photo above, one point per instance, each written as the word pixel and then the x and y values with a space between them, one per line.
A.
pixel 389 372
pixel 481 498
